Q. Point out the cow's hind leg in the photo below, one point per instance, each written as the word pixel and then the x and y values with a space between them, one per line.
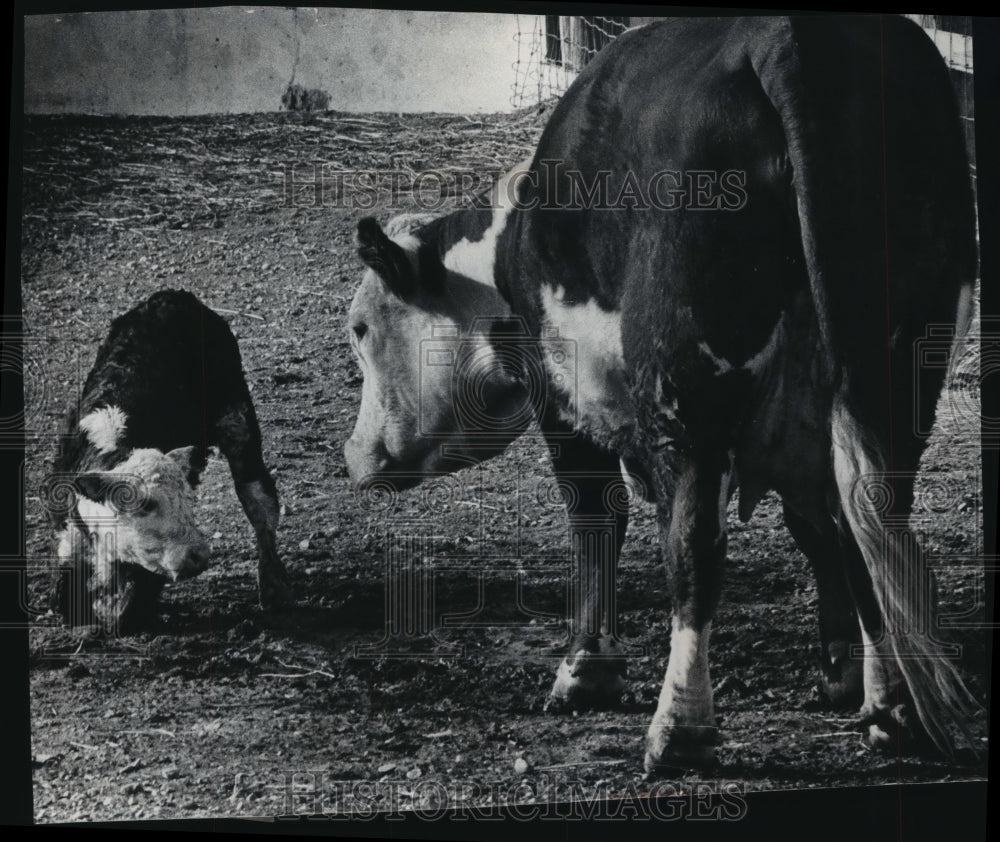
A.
pixel 914 694
pixel 240 442
pixel 693 529
pixel 839 631
pixel 887 711
pixel 593 672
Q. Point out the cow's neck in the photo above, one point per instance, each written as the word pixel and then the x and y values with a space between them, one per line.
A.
pixel 468 238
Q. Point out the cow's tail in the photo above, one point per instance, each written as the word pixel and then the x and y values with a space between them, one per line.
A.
pixel 901 579
pixel 860 287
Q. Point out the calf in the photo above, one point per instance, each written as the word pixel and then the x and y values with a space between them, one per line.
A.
pixel 167 384
pixel 725 249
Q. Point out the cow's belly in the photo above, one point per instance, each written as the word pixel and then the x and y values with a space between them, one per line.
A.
pixel 782 441
pixel 582 352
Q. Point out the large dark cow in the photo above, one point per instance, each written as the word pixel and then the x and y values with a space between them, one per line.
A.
pixel 166 385
pixel 730 238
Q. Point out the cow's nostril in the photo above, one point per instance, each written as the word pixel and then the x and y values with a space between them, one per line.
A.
pixel 363 461
pixel 197 559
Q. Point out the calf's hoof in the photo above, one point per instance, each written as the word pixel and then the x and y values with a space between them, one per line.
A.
pixel 587 680
pixel 276 594
pixel 680 748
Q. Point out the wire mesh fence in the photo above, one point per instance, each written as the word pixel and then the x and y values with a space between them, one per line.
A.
pixel 552 49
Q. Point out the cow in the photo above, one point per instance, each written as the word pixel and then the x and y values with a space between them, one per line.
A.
pixel 723 252
pixel 166 385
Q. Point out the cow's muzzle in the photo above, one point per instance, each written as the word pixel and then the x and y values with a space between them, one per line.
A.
pixel 365 463
pixel 195 561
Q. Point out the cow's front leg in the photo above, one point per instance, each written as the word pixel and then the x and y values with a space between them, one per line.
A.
pixel 593 672
pixel 693 531
pixel 240 441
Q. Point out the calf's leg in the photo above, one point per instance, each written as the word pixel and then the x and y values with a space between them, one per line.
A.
pixel 240 442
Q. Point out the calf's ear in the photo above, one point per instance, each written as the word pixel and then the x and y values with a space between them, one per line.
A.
pixel 98 486
pixel 387 258
pixel 124 493
pixel 192 460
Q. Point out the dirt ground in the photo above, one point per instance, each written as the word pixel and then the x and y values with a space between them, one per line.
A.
pixel 222 709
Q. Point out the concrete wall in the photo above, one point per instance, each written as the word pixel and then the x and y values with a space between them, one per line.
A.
pixel 241 59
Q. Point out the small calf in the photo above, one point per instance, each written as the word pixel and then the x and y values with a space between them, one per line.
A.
pixel 167 384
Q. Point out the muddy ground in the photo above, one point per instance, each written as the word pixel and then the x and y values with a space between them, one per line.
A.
pixel 222 709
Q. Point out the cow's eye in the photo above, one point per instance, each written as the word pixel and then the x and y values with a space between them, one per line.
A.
pixel 360 329
pixel 148 507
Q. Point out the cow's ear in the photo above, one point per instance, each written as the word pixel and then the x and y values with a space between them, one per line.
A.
pixel 97 485
pixel 432 270
pixel 192 460
pixel 387 258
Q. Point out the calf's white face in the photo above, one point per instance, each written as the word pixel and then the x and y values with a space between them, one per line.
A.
pixel 433 382
pixel 142 512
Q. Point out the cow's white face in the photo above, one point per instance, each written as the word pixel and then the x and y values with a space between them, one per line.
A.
pixel 435 395
pixel 142 512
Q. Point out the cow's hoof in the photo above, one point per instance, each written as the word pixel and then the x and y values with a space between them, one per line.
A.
pixel 842 677
pixel 276 595
pixel 896 730
pixel 587 680
pixel 680 748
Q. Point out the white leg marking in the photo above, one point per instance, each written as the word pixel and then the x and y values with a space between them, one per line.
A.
pixel 104 427
pixel 881 682
pixel 683 728
pixel 880 677
pixel 581 674
pixel 686 697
